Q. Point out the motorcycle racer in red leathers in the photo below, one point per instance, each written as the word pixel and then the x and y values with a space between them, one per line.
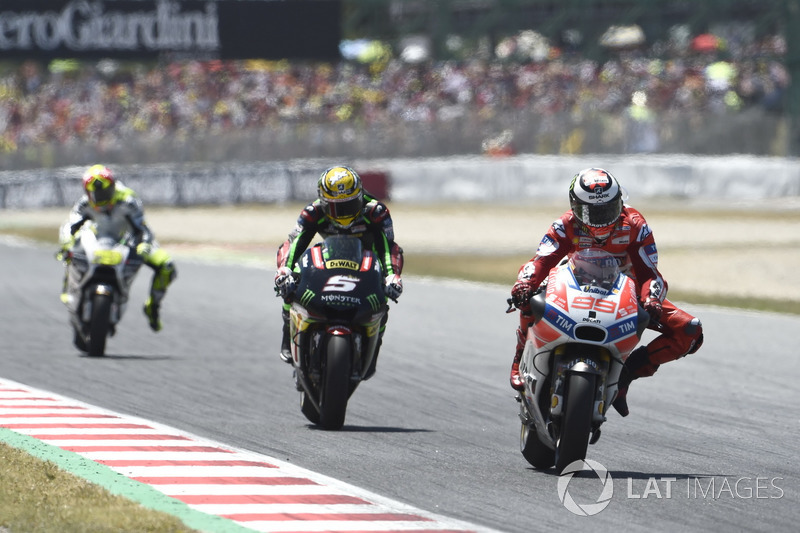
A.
pixel 343 207
pixel 599 218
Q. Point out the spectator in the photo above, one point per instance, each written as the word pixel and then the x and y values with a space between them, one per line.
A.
pixel 101 106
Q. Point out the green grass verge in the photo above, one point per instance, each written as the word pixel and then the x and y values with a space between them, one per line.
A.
pixel 37 495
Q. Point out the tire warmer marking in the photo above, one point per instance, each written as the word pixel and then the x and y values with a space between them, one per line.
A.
pixel 209 486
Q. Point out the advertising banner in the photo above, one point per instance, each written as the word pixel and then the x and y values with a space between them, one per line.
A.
pixel 142 29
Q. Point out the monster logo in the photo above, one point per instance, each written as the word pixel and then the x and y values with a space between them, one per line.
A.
pixel 374 302
pixel 307 297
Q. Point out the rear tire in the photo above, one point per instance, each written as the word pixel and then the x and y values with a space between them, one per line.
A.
pixel 576 422
pixel 101 320
pixel 538 454
pixel 336 383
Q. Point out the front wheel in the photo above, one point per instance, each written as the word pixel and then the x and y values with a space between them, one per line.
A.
pixel 336 383
pixel 576 422
pixel 101 321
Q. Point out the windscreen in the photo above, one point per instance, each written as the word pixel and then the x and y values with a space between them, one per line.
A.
pixel 595 267
pixel 342 247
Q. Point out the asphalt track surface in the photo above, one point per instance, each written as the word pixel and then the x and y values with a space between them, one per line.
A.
pixel 711 442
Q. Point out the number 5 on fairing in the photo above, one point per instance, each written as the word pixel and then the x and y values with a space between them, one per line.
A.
pixel 341 283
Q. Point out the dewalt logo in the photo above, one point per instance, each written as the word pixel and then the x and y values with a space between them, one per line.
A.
pixel 342 263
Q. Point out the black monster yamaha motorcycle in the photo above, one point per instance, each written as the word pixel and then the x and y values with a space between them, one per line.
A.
pixel 337 312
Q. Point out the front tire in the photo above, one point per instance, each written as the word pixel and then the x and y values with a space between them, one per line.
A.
pixel 336 383
pixel 101 320
pixel 576 423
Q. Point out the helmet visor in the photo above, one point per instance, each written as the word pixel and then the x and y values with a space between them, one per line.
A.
pixel 599 215
pixel 100 191
pixel 343 211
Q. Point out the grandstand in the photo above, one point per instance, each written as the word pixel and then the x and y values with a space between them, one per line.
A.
pixel 420 79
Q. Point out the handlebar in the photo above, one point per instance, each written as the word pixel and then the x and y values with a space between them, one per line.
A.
pixel 511 308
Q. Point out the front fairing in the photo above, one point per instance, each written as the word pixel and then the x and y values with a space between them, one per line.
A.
pixel 340 282
pixel 595 315
pixel 100 260
pixel 340 288
pixel 578 327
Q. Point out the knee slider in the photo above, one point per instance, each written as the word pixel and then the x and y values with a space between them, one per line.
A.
pixel 695 330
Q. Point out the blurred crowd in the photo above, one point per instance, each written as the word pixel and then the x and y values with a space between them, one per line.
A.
pixel 107 103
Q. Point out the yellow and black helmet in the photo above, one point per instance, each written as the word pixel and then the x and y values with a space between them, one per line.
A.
pixel 341 195
pixel 99 184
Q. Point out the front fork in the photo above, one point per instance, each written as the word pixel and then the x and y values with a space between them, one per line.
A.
pixel 595 360
pixel 545 389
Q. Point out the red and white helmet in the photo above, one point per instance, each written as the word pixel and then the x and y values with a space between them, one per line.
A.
pixel 596 198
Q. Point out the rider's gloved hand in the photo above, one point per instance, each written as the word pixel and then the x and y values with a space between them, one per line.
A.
pixel 653 308
pixel 284 282
pixel 521 294
pixel 143 249
pixel 394 287
pixel 63 254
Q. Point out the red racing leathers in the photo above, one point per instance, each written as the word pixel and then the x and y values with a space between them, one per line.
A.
pixel 632 243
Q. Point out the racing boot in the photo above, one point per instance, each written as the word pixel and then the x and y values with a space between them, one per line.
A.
pixel 64 295
pixel 620 402
pixel 165 273
pixel 64 255
pixel 517 383
pixel 373 364
pixel 151 308
pixel 638 365
pixel 516 380
pixel 286 349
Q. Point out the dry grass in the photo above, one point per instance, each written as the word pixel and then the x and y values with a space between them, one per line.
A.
pixel 38 496
pixel 503 270
pixel 488 268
